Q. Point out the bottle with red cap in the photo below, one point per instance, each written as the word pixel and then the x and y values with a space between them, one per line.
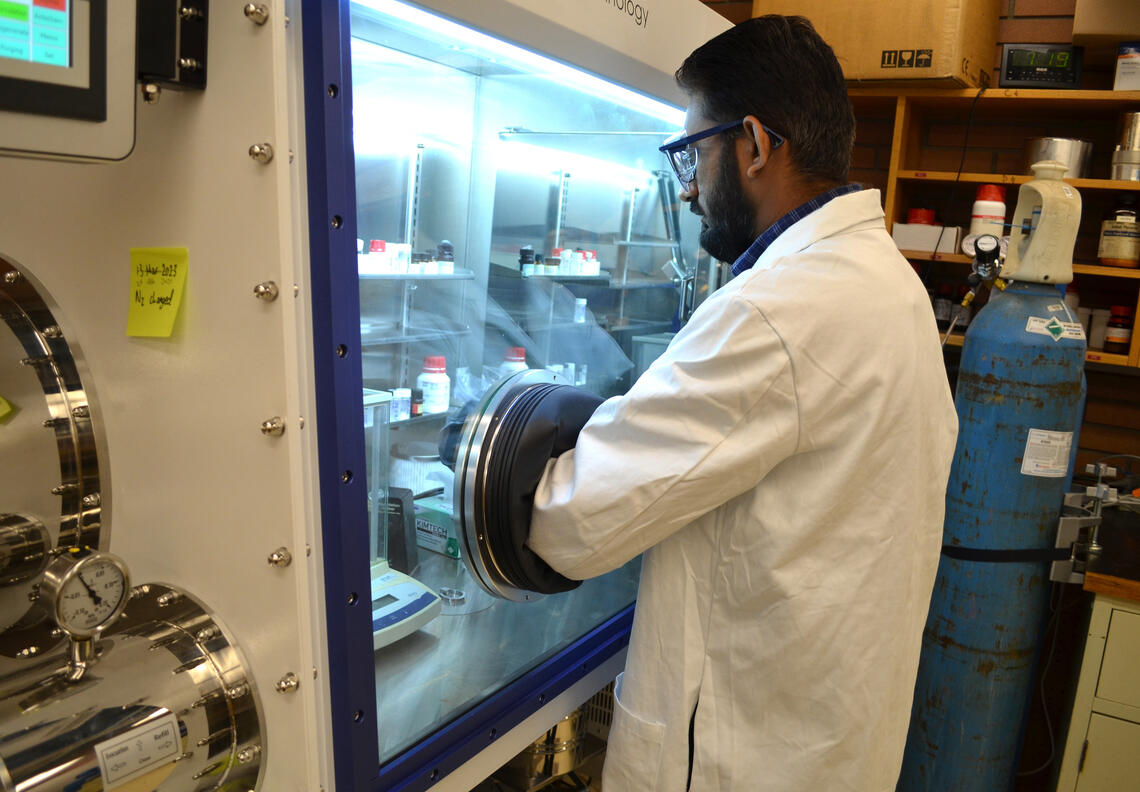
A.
pixel 1118 334
pixel 435 384
pixel 988 214
pixel 514 360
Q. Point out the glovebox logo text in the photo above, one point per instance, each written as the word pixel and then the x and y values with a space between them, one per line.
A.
pixel 636 11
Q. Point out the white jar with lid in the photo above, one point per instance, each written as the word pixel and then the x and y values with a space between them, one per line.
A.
pixel 514 360
pixel 435 384
pixel 988 213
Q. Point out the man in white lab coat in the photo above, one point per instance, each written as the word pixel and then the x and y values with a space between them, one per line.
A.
pixel 782 466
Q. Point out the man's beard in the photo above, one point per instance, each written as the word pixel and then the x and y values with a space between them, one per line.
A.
pixel 729 223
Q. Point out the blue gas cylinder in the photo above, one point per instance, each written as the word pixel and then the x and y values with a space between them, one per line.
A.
pixel 1019 398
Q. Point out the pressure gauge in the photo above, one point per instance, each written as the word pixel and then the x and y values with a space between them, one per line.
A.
pixel 85 591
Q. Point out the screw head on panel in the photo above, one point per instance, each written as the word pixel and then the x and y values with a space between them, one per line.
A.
pixel 288 683
pixel 258 13
pixel 266 290
pixel 274 427
pixel 261 152
pixel 281 557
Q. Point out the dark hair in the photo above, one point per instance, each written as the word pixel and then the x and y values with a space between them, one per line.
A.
pixel 778 69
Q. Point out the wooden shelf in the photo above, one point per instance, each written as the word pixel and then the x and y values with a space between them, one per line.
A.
pixel 1053 96
pixel 1107 358
pixel 1016 99
pixel 1012 178
pixel 1107 272
pixel 926 255
pixel 1093 356
pixel 1078 268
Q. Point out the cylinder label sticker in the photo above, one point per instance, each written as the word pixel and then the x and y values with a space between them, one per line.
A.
pixel 1047 454
pixel 1054 329
pixel 132 753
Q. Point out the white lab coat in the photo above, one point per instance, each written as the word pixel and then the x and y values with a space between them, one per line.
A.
pixel 783 467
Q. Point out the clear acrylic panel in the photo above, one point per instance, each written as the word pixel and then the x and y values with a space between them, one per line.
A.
pixel 512 212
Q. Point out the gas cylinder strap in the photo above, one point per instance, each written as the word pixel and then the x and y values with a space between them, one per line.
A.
pixel 1007 556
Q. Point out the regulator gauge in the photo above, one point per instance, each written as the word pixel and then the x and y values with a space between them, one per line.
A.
pixel 85 591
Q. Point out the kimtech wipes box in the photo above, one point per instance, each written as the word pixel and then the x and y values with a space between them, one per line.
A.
pixel 937 43
pixel 435 526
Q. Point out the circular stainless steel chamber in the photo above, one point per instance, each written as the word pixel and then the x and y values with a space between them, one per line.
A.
pixel 52 491
pixel 483 434
pixel 164 703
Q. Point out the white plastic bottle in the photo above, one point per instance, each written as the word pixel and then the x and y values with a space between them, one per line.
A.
pixel 579 310
pixel 435 384
pixel 988 214
pixel 514 360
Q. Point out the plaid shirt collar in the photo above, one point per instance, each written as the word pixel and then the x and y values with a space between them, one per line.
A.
pixel 757 248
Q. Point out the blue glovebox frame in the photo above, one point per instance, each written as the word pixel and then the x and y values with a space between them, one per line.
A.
pixel 341 463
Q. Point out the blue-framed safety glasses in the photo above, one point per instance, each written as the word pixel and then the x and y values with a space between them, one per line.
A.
pixel 683 158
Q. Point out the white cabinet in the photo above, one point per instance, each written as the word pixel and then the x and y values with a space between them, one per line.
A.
pixel 1111 756
pixel 1102 752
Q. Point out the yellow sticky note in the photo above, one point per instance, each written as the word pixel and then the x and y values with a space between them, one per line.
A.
pixel 5 408
pixel 158 277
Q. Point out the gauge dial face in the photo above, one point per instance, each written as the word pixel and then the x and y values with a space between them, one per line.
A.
pixel 91 595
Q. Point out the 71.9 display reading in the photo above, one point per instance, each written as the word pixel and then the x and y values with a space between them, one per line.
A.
pixel 36 31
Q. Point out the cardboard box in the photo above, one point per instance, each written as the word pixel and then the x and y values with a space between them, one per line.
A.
pixel 1106 21
pixel 921 237
pixel 936 43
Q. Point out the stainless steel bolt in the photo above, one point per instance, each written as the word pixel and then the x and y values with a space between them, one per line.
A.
pixel 266 290
pixel 281 558
pixel 257 13
pixel 288 683
pixel 237 691
pixel 261 152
